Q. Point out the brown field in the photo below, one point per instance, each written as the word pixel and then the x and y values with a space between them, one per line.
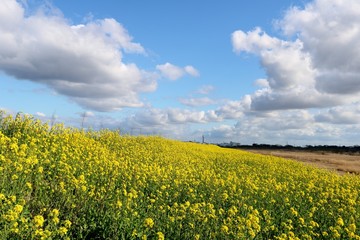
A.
pixel 341 163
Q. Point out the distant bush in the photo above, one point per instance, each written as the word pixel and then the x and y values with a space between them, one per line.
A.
pixel 327 148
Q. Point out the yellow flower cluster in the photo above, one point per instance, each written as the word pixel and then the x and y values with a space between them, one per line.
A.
pixel 63 183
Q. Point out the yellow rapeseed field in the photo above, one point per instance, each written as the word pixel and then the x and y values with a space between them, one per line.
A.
pixel 63 183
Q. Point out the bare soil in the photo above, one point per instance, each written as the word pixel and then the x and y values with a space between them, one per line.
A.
pixel 341 163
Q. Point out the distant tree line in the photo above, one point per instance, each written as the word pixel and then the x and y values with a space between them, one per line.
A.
pixel 326 148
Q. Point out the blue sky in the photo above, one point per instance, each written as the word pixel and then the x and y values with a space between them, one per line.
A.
pixel 278 72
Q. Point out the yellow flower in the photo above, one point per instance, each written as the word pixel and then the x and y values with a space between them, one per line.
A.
pixel 56 220
pixel 352 227
pixel 340 221
pixel 160 236
pixel 293 211
pixel 224 196
pixel 15 228
pixel 23 220
pixel 224 229
pixel 47 234
pixel 62 231
pixel 39 232
pixel 134 233
pixel 28 185
pixel 67 223
pixel 119 204
pixel 39 221
pixel 149 222
pixel 18 208
pixel 336 234
pixel 55 212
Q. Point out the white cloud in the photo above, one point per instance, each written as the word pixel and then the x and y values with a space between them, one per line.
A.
pixel 192 71
pixel 262 82
pixel 317 66
pixel 231 110
pixel 329 31
pixel 205 89
pixel 82 62
pixel 196 102
pixel 173 72
pixel 223 132
pixel 296 127
pixel 280 121
pixel 170 71
pixel 157 117
pixel 234 109
pixel 349 114
pixel 268 99
pixel 253 41
pixel 186 116
pixel 40 114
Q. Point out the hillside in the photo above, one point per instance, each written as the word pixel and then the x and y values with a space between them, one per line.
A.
pixel 62 183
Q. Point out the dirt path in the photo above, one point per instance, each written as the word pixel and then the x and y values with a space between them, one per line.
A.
pixel 341 163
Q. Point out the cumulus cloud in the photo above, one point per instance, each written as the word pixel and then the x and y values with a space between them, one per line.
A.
pixel 223 132
pixel 234 109
pixel 296 127
pixel 173 72
pixel 340 115
pixel 317 66
pixel 196 102
pixel 293 119
pixel 231 110
pixel 253 41
pixel 329 31
pixel 163 117
pixel 82 62
pixel 268 99
pixel 262 82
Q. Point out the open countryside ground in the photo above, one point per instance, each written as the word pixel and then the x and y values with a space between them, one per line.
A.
pixel 342 163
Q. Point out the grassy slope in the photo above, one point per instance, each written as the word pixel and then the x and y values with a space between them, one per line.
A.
pixel 62 183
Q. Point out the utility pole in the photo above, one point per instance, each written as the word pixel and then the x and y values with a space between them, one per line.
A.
pixel 53 119
pixel 83 120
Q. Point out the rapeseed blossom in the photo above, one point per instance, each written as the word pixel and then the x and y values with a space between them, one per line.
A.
pixel 39 221
pixel 63 183
pixel 63 231
pixel 149 222
pixel 160 236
